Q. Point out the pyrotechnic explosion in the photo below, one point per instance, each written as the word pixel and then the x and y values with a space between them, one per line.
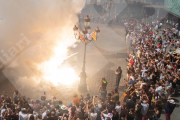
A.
pixel 48 25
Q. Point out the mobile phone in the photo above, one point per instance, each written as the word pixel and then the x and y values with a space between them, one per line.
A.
pixel 44 93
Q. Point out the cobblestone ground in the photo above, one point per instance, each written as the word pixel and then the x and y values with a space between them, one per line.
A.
pixel 103 58
pixel 115 55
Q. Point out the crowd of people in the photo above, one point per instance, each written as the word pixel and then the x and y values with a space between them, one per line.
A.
pixel 81 108
pixel 153 75
pixel 153 70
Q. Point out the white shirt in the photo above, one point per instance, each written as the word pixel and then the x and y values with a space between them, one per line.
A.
pixel 110 115
pixel 23 116
pixel 156 27
pixel 118 109
pixel 31 105
pixel 142 84
pixel 44 115
pixel 159 90
pixel 29 115
pixel 93 116
pixel 143 71
pixel 138 51
pixel 131 77
pixel 169 67
pixel 2 111
pixel 35 115
pixel 145 108
pixel 69 110
pixel 158 49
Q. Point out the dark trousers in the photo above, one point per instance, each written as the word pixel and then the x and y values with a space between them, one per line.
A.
pixel 138 117
pixel 177 89
pixel 118 81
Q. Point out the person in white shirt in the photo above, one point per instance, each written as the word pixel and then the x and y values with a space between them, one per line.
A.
pixel 69 108
pixel 108 115
pixel 165 46
pixel 156 27
pixel 145 107
pixel 170 52
pixel 93 115
pixel 35 114
pixel 44 113
pixel 142 84
pixel 118 108
pixel 143 71
pixel 177 24
pixel 159 89
pixel 23 115
pixel 132 77
pixel 154 36
pixel 176 44
pixel 2 111
pixel 29 113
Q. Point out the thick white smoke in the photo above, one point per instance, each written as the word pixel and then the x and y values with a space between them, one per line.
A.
pixel 35 31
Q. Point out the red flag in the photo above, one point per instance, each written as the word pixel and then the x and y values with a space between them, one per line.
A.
pixel 81 37
pixel 94 35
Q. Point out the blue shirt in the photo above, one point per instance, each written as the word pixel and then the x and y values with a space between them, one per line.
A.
pixel 169 108
pixel 131 82
pixel 176 31
pixel 90 99
pixel 97 110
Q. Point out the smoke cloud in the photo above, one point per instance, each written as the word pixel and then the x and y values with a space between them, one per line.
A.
pixel 30 32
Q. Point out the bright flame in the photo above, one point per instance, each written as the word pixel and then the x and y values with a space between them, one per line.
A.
pixel 53 70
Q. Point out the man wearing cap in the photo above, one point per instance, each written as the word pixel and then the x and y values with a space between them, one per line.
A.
pixel 69 108
pixel 169 108
pixel 118 73
pixel 63 110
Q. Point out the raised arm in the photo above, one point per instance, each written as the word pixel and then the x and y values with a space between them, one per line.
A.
pixel 99 89
pixel 93 101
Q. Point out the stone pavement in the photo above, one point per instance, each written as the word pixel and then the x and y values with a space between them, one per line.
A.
pixel 102 59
